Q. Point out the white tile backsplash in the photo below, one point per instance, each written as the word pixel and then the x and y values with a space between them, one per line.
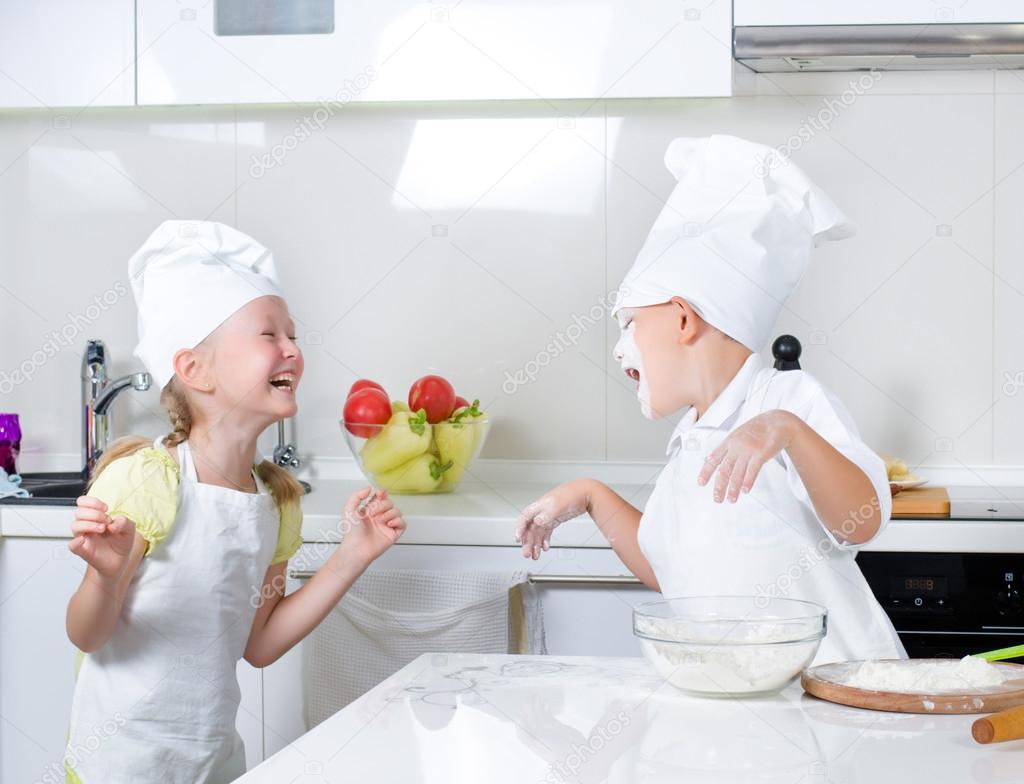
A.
pixel 1008 305
pixel 481 240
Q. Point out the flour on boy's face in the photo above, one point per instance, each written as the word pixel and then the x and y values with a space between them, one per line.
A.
pixel 627 353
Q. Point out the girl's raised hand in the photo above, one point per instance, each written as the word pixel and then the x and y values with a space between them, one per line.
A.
pixel 739 458
pixel 370 529
pixel 101 541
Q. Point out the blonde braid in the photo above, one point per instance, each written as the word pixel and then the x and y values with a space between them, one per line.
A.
pixel 282 485
pixel 173 399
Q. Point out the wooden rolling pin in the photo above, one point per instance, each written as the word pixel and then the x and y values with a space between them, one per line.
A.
pixel 1005 725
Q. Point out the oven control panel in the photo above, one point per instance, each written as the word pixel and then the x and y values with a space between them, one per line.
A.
pixel 967 592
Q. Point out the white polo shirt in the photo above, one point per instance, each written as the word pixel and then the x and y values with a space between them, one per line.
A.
pixel 770 542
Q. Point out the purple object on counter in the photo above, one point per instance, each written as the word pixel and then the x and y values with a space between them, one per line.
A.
pixel 10 442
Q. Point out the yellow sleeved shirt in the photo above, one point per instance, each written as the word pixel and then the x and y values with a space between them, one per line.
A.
pixel 143 487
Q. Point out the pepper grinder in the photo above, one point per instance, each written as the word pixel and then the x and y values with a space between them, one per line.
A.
pixel 786 350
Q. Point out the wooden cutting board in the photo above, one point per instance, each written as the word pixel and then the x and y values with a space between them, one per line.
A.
pixel 826 682
pixel 921 502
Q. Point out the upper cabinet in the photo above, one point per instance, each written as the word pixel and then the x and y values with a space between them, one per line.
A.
pixel 67 53
pixel 283 51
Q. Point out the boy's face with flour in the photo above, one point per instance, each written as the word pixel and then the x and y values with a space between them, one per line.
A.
pixel 672 354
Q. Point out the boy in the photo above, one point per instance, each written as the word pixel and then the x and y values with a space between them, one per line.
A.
pixel 768 489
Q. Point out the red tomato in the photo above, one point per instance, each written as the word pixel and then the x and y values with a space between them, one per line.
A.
pixel 365 383
pixel 461 402
pixel 364 409
pixel 435 395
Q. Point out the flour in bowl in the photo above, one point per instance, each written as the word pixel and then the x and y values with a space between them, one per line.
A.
pixel 725 658
pixel 925 676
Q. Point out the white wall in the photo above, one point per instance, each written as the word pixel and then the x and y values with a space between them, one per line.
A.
pixel 462 239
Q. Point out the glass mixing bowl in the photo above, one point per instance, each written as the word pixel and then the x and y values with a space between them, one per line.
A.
pixel 729 646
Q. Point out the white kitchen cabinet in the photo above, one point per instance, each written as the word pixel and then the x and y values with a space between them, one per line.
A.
pixel 396 50
pixel 37 675
pixel 67 53
pixel 37 661
pixel 592 620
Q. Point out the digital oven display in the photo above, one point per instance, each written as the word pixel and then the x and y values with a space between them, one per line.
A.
pixel 932 587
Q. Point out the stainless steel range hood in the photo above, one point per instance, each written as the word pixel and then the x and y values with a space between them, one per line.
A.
pixel 888 47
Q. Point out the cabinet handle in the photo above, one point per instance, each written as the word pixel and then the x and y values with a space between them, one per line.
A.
pixel 619 580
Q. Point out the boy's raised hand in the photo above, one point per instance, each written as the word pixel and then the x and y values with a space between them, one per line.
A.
pixel 539 519
pixel 368 530
pixel 740 457
pixel 101 541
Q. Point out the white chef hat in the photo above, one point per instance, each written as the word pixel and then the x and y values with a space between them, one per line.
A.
pixel 734 236
pixel 188 278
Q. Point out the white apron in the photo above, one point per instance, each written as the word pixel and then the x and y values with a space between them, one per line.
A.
pixel 765 544
pixel 158 702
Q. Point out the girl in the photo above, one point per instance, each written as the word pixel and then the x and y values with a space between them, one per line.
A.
pixel 186 539
pixel 795 490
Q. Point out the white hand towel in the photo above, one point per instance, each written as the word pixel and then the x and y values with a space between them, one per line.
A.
pixel 389 617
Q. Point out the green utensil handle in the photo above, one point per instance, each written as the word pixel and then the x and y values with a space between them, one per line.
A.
pixel 1003 653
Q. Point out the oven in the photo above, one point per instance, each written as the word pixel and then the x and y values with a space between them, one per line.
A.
pixel 950 604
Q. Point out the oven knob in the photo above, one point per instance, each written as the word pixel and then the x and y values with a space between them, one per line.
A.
pixel 1009 602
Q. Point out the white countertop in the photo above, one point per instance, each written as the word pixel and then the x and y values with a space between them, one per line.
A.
pixel 474 718
pixel 484 513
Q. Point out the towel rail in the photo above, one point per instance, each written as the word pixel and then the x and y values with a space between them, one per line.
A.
pixel 616 580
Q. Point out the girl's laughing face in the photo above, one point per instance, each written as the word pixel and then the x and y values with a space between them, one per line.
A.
pixel 257 363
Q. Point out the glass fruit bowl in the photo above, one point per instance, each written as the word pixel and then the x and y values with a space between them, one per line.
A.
pixel 729 646
pixel 409 456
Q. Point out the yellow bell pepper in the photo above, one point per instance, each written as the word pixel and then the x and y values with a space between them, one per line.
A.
pixel 405 436
pixel 457 439
pixel 422 474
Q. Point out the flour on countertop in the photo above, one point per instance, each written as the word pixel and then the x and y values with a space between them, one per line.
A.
pixel 925 677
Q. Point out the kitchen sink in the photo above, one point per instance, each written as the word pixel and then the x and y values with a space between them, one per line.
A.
pixel 58 488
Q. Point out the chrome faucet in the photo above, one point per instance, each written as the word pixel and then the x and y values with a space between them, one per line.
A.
pixel 98 394
pixel 285 455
